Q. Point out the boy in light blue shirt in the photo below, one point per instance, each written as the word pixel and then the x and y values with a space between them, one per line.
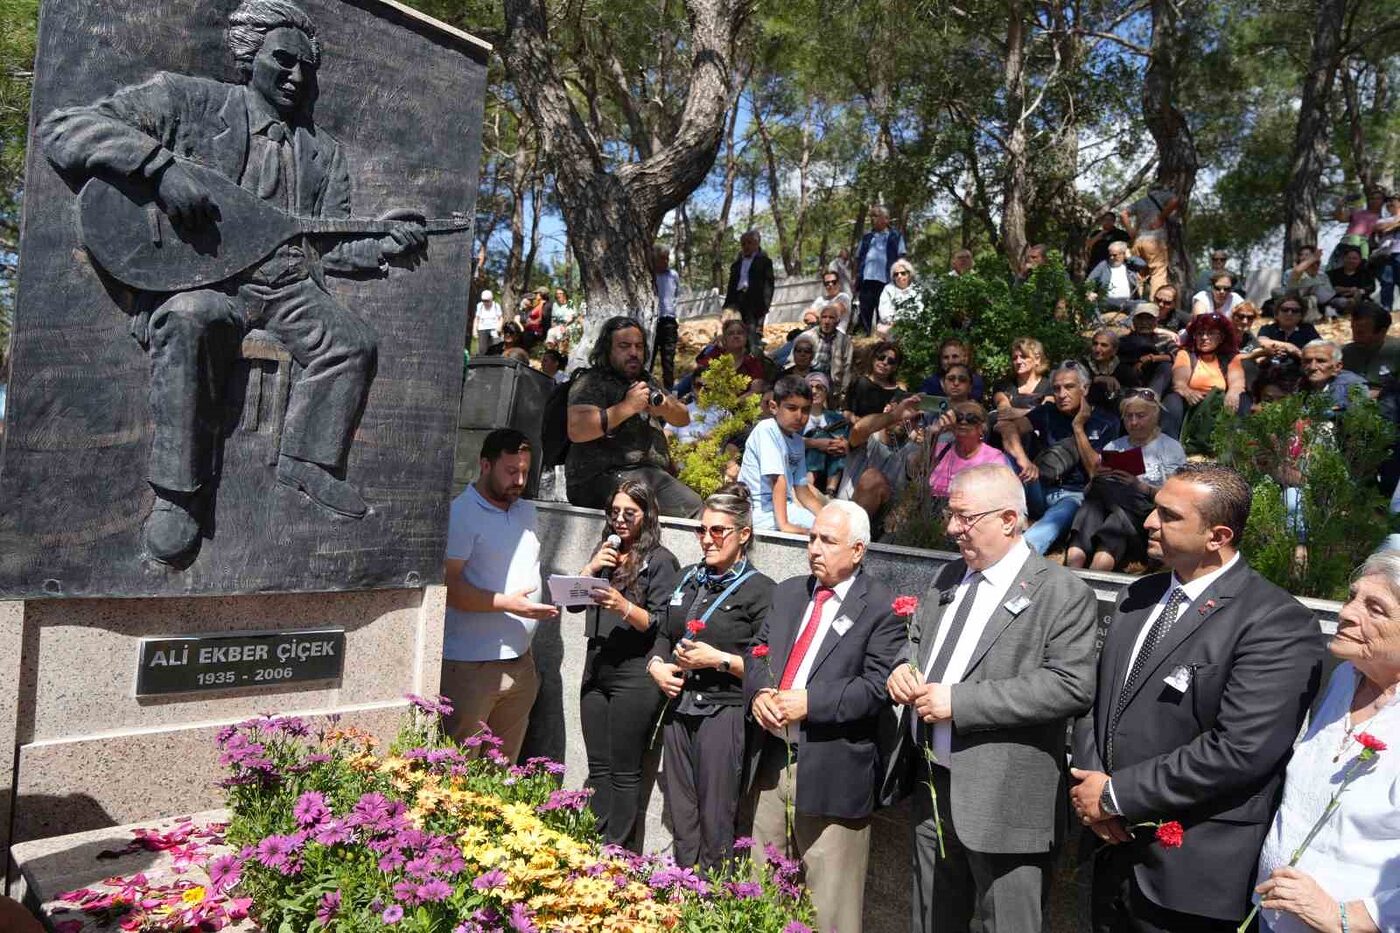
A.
pixel 775 463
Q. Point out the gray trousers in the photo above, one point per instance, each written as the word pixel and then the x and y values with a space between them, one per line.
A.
pixel 704 774
pixel 1009 893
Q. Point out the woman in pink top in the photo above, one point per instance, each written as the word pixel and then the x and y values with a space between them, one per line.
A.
pixel 967 421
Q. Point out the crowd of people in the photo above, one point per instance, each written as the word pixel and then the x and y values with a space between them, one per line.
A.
pixel 789 711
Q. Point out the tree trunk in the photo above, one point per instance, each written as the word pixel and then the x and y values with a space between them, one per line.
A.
pixel 511 285
pixel 1013 201
pixel 1361 157
pixel 799 226
pixel 1176 147
pixel 613 215
pixel 775 204
pixel 731 174
pixel 536 210
pixel 1310 139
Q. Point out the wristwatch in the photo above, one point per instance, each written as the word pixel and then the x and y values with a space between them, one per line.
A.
pixel 1106 803
pixel 724 665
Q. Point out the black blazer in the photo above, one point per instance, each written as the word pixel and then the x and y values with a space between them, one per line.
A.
pixel 1212 756
pixel 758 297
pixel 732 629
pixel 839 760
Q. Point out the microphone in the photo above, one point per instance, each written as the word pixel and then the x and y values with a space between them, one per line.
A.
pixel 614 542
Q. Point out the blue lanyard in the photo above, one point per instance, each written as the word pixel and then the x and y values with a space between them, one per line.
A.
pixel 728 591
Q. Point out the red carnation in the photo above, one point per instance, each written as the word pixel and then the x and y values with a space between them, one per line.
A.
pixel 905 605
pixel 1171 834
pixel 694 627
pixel 1370 742
pixel 760 651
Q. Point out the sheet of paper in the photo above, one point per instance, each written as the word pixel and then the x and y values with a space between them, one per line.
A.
pixel 573 591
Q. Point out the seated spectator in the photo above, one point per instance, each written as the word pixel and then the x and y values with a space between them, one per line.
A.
pixel 1277 380
pixel 1109 525
pixel 1110 374
pixel 1027 388
pixel 775 463
pixel 804 350
pixel 1065 434
pixel 870 394
pixel 1112 283
pixel 900 298
pixel 954 351
pixel 734 340
pixel 968 423
pixel 961 263
pixel 882 457
pixel 1219 262
pixel 703 418
pixel 1243 317
pixel 831 295
pixel 1346 879
pixel 1307 281
pixel 1169 315
pixel 613 425
pixel 957 384
pixel 1206 369
pixel 1387 254
pixel 1150 350
pixel 824 437
pixel 834 353
pixel 1371 354
pixel 1221 299
pixel 783 355
pixel 552 365
pixel 1287 334
pixel 1352 281
pixel 511 336
pixel 1322 370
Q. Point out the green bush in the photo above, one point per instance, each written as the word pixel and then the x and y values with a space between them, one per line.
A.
pixel 1333 458
pixel 700 464
pixel 989 313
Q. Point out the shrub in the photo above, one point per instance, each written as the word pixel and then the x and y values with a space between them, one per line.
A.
pixel 700 464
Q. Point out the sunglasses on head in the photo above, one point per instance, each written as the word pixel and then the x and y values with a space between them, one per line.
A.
pixel 1148 394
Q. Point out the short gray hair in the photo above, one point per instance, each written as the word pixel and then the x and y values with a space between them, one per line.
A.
pixel 249 25
pixel 856 517
pixel 1001 488
pixel 1110 333
pixel 1327 344
pixel 1072 366
pixel 1384 563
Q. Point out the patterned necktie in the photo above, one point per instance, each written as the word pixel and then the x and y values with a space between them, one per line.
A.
pixel 804 640
pixel 1159 630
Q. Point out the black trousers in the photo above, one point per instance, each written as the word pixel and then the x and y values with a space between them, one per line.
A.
pixel 668 331
pixel 869 301
pixel 753 320
pixel 704 772
pixel 618 707
pixel 1119 906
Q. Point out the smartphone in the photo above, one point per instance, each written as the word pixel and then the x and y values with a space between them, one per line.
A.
pixel 934 405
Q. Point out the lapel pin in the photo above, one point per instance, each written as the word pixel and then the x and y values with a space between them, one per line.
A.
pixel 1210 604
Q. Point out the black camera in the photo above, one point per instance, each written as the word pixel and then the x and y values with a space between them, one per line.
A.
pixel 656 398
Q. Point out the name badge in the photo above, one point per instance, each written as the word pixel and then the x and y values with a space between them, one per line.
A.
pixel 677 598
pixel 1018 605
pixel 1179 679
pixel 842 624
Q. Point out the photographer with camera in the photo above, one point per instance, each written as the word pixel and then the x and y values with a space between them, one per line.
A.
pixel 614 415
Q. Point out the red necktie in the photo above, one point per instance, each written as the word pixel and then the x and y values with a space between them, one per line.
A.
pixel 804 640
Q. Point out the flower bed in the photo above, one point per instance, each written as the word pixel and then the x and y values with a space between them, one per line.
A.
pixel 428 837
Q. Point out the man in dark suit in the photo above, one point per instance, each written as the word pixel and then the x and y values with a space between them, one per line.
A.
pixel 751 287
pixel 1000 659
pixel 1204 678
pixel 259 133
pixel 832 639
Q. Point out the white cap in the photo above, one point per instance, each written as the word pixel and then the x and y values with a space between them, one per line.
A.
pixel 486 295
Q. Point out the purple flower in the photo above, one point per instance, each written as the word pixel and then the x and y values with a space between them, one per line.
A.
pixel 743 844
pixel 406 892
pixel 435 890
pixel 375 812
pixel 797 926
pixel 330 906
pixel 744 889
pixel 672 876
pixel 391 860
pixel 575 800
pixel 276 851
pixel 224 872
pixel 331 833
pixel 521 919
pixel 493 879
pixel 392 914
pixel 435 706
pixel 310 809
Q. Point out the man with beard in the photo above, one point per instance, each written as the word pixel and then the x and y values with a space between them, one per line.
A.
pixel 492 571
pixel 614 408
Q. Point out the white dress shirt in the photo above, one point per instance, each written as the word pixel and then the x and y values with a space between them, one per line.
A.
pixel 1353 856
pixel 744 263
pixel 831 611
pixel 991 593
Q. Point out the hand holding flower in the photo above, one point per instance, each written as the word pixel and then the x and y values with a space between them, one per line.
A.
pixel 1296 892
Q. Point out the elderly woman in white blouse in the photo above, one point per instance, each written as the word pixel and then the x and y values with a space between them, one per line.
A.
pixel 899 299
pixel 1348 879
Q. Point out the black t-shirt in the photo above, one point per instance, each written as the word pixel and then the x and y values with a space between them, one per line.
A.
pixel 864 397
pixel 1050 426
pixel 1100 251
pixel 1302 335
pixel 636 442
pixel 1361 278
pixel 1028 400
pixel 652 591
pixel 1134 347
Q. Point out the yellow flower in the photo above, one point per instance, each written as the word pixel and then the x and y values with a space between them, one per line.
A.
pixel 193 896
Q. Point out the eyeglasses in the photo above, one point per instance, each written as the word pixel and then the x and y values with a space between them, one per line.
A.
pixel 1289 309
pixel 967 521
pixel 831 283
pixel 902 272
pixel 1220 288
pixel 630 515
pixel 1245 318
pixel 1165 301
pixel 1221 257
pixel 802 349
pixel 716 533
pixel 967 417
pixel 955 377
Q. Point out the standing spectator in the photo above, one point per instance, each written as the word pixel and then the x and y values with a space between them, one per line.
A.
pixel 901 298
pixel 1361 219
pixel 492 569
pixel 1287 334
pixel 1112 283
pixel 1387 252
pixel 775 463
pixel 751 287
pixel 870 394
pixel 834 352
pixel 1346 873
pixel 733 339
pixel 561 321
pixel 668 328
pixel 967 422
pixel 619 702
pixel 1220 299
pixel 832 295
pixel 1208 363
pixel 1219 265
pixel 954 351
pixel 879 248
pixel 1322 370
pixel 841 265
pixel 1101 239
pixel 1371 353
pixel 1146 221
pixel 537 318
pixel 613 430
pixel 832 639
pixel 992 701
pixel 1108 525
pixel 704 684
pixel 1352 281
pixel 1065 437
pixel 1307 281
pixel 961 263
pixel 1205 675
pixel 488 323
pixel 1149 349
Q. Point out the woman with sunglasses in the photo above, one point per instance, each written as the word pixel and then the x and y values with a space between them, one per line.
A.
pixel 967 420
pixel 697 662
pixel 1108 525
pixel 869 395
pixel 1220 298
pixel 619 702
pixel 804 351
pixel 900 298
pixel 1288 334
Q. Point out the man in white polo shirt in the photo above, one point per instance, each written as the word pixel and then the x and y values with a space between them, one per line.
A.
pixel 492 570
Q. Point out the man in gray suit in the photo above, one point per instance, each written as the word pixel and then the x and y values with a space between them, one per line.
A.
pixel 1000 659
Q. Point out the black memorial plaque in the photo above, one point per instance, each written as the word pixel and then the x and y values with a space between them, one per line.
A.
pixel 236 356
pixel 258 660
